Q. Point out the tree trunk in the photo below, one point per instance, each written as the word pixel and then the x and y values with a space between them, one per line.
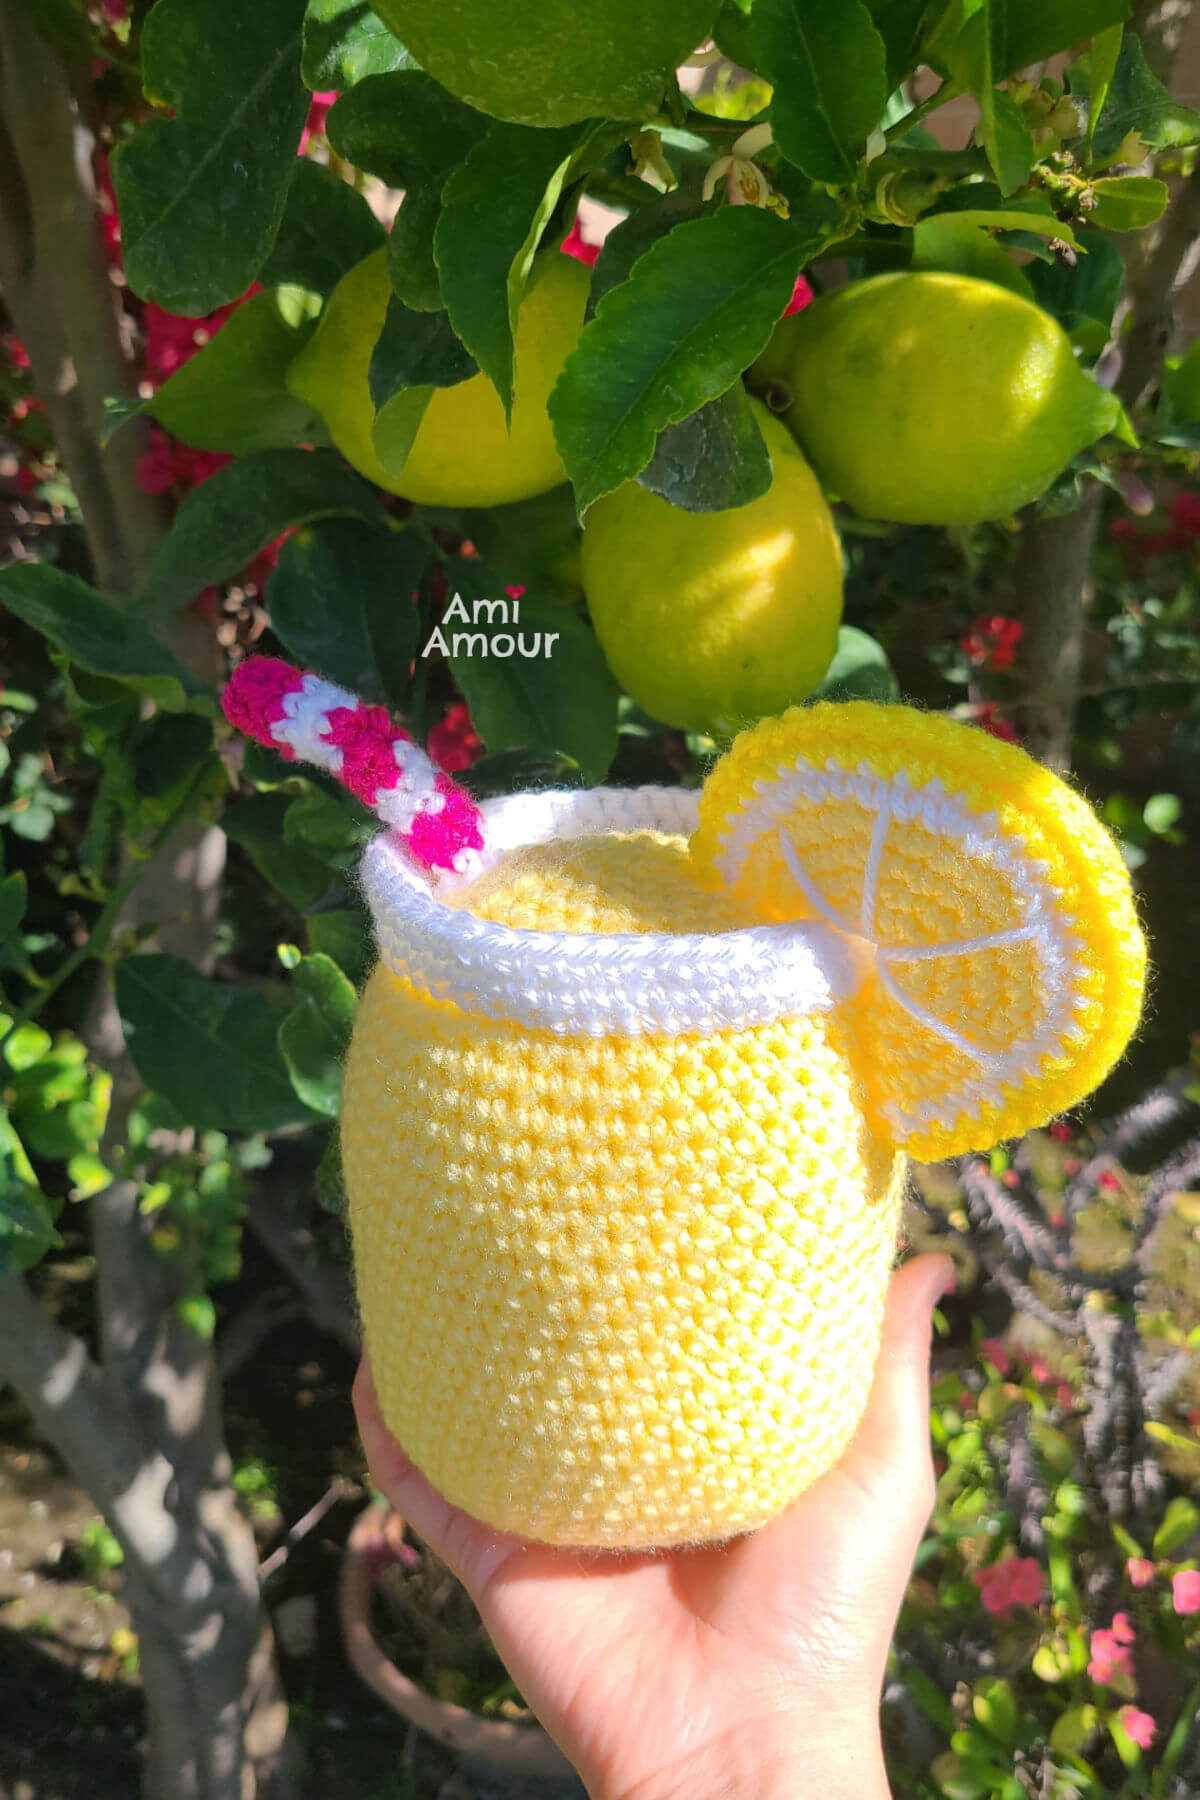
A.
pixel 140 1426
pixel 1052 575
pixel 1053 580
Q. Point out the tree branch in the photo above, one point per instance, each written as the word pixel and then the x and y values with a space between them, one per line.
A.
pixel 63 305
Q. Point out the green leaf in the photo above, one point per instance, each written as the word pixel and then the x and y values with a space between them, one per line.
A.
pixel 1139 102
pixel 88 629
pixel 699 306
pixel 1072 1729
pixel 416 352
pixel 209 1047
pixel 1007 140
pixel 404 124
pixel 945 241
pixel 232 395
pixel 1026 216
pixel 1102 61
pixel 1181 386
pixel 221 525
pixel 315 1035
pixel 411 264
pixel 326 229
pixel 713 461
pixel 1128 202
pixel 201 194
pixel 899 23
pixel 331 1180
pixel 860 670
pixel 532 543
pixel 27 1046
pixel 416 349
pixel 13 899
pixel 1179 1522
pixel 26 1221
pixel 995 1707
pixel 344 41
pixel 827 65
pixel 1181 1732
pixel 563 699
pixel 344 933
pixel 495 209
pixel 330 824
pixel 631 239
pixel 341 602
pixel 198 1313
pixel 258 823
pixel 1029 31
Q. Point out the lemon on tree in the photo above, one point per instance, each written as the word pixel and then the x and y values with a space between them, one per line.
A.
pixel 464 453
pixel 934 399
pixel 710 620
pixel 550 64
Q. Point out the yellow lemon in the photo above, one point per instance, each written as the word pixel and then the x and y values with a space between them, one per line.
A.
pixel 550 65
pixel 464 453
pixel 710 620
pixel 936 399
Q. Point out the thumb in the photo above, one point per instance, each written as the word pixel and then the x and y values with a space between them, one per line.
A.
pixel 890 1456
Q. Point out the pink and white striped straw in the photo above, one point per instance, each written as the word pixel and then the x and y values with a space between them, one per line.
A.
pixel 305 718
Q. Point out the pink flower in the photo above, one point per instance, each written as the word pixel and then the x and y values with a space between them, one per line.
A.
pixel 1061 1132
pixel 1122 1630
pixel 1185 1591
pixel 802 296
pixel 576 245
pixel 997 1355
pixel 1065 1394
pixel 1039 1370
pixel 1139 1726
pixel 454 742
pixel 1109 1182
pixel 166 464
pixel 1183 514
pixel 988 718
pixel 1013 1581
pixel 318 112
pixel 992 641
pixel 172 340
pixel 1109 1657
pixel 1140 1571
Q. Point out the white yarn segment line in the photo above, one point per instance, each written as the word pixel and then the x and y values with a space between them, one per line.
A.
pixel 622 984
pixel 1043 921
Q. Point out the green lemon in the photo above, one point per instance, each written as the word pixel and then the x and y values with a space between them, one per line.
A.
pixel 464 454
pixel 540 63
pixel 936 399
pixel 711 620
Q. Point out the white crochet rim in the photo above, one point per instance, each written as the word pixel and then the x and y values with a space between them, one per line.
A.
pixel 623 984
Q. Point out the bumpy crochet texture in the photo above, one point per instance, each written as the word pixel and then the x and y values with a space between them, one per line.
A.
pixel 618 1291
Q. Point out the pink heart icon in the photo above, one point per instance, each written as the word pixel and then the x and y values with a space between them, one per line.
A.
pixel 515 593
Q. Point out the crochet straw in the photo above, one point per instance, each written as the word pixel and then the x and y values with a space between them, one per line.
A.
pixel 310 720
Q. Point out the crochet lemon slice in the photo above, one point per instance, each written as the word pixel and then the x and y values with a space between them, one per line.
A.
pixel 989 911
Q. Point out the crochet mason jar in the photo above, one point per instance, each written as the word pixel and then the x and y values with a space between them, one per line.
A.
pixel 622 1232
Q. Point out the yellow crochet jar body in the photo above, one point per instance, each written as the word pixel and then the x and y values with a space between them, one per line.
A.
pixel 622 1234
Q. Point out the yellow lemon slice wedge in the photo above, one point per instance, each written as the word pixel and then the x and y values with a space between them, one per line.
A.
pixel 988 909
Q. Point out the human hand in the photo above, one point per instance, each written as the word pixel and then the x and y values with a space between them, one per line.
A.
pixel 751 1668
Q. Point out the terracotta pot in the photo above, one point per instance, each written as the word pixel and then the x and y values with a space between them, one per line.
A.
pixel 502 1744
